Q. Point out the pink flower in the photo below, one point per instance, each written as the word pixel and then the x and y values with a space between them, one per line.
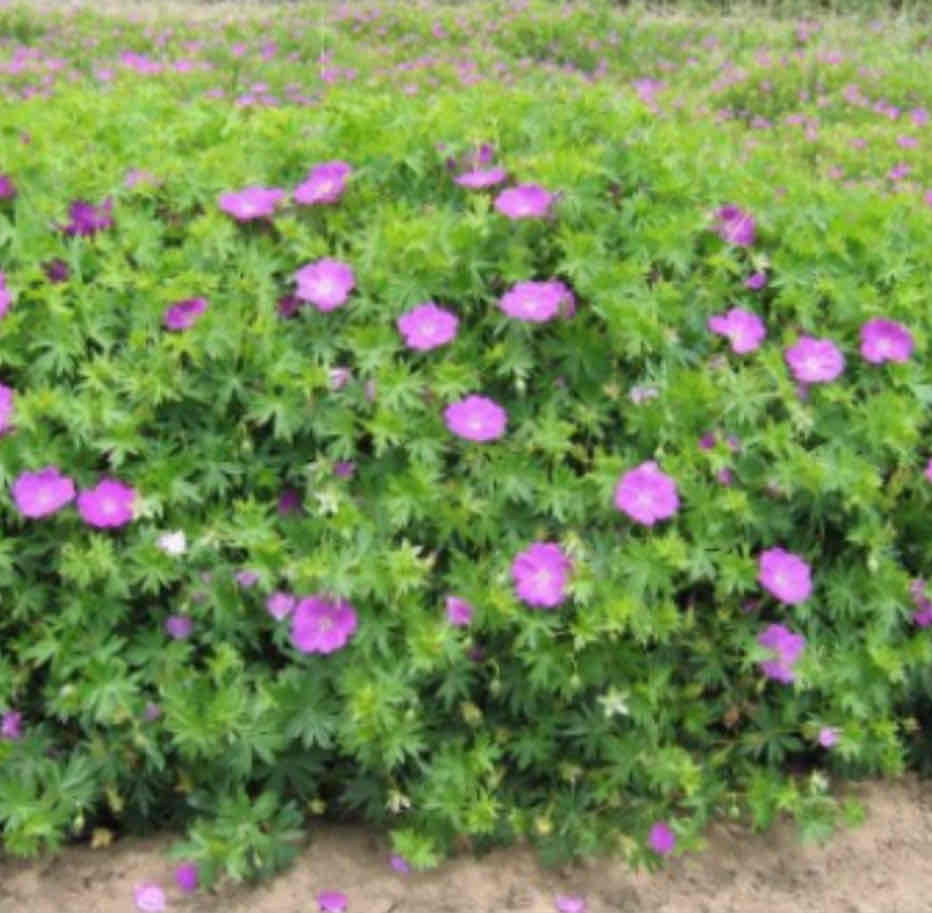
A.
pixel 331 901
pixel 427 326
pixel 928 472
pixel 178 626
pixel 251 202
pixel 87 219
pixel 326 283
pixel 536 302
pixel 344 468
pixel 11 725
pixel 5 297
pixel 735 226
pixel 569 903
pixel 476 180
pixel 745 330
pixel 399 863
pixel 787 647
pixel 324 184
pixel 38 494
pixel 150 898
pixel 885 340
pixel 756 281
pixel 784 575
pixel 815 360
pixel 6 408
pixel 7 189
pixel 476 418
pixel 661 838
pixel 540 574
pixel 526 201
pixel 322 625
pixel 646 494
pixel 186 876
pixel 339 377
pixel 109 504
pixel 828 736
pixel 183 314
pixel 280 604
pixel 459 611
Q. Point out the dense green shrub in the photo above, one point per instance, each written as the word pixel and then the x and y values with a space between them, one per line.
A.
pixel 154 684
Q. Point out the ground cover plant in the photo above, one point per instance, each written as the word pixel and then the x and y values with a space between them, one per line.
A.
pixel 497 422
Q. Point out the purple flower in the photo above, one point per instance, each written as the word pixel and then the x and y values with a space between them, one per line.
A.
pixel 540 574
pixel 756 281
pixel 399 864
pixel 536 302
pixel 784 575
pixel 526 201
pixel 331 901
pixel 56 270
pixel 289 502
pixel 152 712
pixel 280 604
pixel 815 360
pixel 476 418
pixel 344 469
pixel 7 190
pixel 923 617
pixel 150 898
pixel 735 226
pixel 109 504
pixel 322 625
pixel 928 472
pixel 326 283
pixel 178 626
pixel 477 180
pixel 661 838
pixel 251 202
pixel 87 219
pixel 427 326
pixel 828 736
pixel 38 494
pixel 183 314
pixel 787 646
pixel 5 297
pixel 646 494
pixel 745 330
pixel 324 184
pixel 885 340
pixel 186 876
pixel 569 903
pixel 11 725
pixel 339 377
pixel 288 305
pixel 459 611
pixel 246 578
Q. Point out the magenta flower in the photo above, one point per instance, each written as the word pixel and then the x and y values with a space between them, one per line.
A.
pixel 569 903
pixel 476 418
pixel 246 578
pixel 344 469
pixel 536 302
pixel 280 604
pixel 56 270
pixel 427 326
pixel 526 201
pixel 399 863
pixel 109 504
pixel 326 283
pixel 150 898
pixel 38 494
pixel 186 876
pixel 814 360
pixel 87 219
pixel 745 330
pixel 251 202
pixel 459 611
pixel 7 189
pixel 922 617
pixel 928 472
pixel 5 297
pixel 787 647
pixel 784 575
pixel 322 625
pixel 289 305
pixel 289 502
pixel 11 725
pixel 756 281
pixel 646 494
pixel 6 408
pixel 178 626
pixel 734 226
pixel 661 838
pixel 828 736
pixel 183 314
pixel 331 901
pixel 540 574
pixel 477 180
pixel 324 184
pixel 885 340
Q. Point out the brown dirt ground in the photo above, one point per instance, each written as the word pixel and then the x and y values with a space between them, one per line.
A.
pixel 883 866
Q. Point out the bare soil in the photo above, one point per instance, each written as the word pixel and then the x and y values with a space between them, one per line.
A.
pixel 883 866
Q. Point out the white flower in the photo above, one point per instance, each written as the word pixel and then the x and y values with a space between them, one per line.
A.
pixel 173 543
pixel 614 701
